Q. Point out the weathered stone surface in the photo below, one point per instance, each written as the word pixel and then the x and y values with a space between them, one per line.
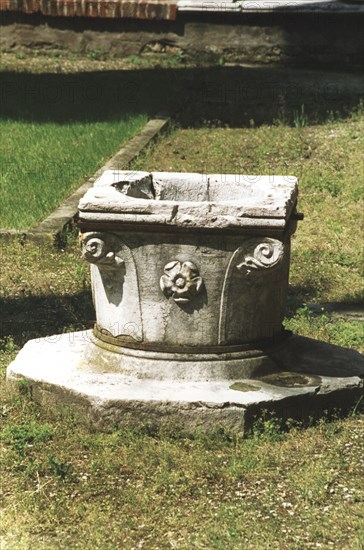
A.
pixel 240 297
pixel 193 200
pixel 61 372
pixel 156 287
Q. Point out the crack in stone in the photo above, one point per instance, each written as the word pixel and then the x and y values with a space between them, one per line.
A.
pixel 174 213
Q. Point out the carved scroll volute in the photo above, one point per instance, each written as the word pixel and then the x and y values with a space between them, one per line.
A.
pixel 115 288
pixel 251 272
pixel 101 249
pixel 265 255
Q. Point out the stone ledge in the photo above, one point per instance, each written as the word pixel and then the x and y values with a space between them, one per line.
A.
pixel 189 200
pixel 271 6
pixel 9 235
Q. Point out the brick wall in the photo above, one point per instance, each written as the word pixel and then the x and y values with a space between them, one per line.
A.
pixel 137 9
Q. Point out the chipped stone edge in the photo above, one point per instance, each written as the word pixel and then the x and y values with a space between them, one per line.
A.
pixel 109 399
pixel 51 228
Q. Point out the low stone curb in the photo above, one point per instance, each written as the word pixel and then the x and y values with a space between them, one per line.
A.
pixel 50 229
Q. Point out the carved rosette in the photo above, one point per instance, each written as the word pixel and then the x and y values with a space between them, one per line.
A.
pixel 265 255
pixel 181 281
pixel 101 249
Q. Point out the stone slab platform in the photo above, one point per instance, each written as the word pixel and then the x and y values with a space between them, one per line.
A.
pixel 311 377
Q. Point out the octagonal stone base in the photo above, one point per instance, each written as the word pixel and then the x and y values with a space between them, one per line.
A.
pixel 309 376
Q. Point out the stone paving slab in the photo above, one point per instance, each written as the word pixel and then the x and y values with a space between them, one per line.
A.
pixel 313 376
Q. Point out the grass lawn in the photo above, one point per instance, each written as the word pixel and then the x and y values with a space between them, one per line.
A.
pixel 58 129
pixel 66 487
pixel 63 486
pixel 43 162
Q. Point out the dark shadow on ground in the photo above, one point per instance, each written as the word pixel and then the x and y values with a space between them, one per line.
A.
pixel 352 307
pixel 237 96
pixel 28 317
pixel 306 355
pixel 298 295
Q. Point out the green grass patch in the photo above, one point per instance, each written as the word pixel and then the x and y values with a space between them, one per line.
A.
pixel 348 334
pixel 131 489
pixel 63 486
pixel 327 158
pixel 43 162
pixel 138 488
